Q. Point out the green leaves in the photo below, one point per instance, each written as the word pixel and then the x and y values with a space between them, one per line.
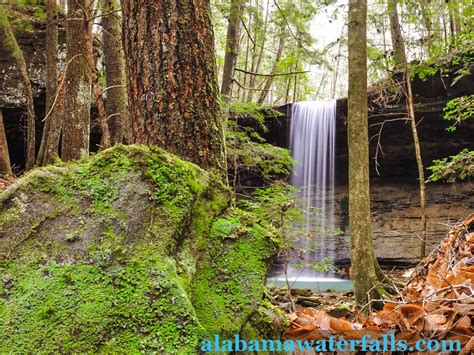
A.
pixel 456 167
pixel 459 110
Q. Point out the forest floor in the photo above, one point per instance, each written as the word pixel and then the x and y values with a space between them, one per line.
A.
pixel 436 302
pixel 334 303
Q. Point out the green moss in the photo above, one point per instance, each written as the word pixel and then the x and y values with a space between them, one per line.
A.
pixel 175 185
pixel 81 308
pixel 126 251
pixel 97 179
pixel 10 214
pixel 235 258
pixel 269 320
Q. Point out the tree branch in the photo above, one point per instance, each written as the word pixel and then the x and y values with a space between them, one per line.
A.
pixel 271 75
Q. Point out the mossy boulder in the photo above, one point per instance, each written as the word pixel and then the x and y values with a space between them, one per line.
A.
pixel 229 282
pixel 131 250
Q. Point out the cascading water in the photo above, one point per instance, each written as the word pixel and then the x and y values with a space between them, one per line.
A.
pixel 313 145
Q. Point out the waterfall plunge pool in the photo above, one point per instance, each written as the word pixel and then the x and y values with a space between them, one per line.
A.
pixel 313 283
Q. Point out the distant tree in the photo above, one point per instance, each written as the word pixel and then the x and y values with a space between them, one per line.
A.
pixel 403 64
pixel 396 34
pixel 77 103
pixel 115 80
pixel 96 87
pixel 365 270
pixel 54 101
pixel 8 41
pixel 173 93
pixel 232 46
pixel 258 47
pixel 269 80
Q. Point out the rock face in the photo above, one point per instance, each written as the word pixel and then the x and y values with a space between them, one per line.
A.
pixel 29 27
pixel 394 187
pixel 130 250
pixel 395 219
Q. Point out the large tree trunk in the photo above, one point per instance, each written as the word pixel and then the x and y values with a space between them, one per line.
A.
pixel 363 262
pixel 232 47
pixel 5 166
pixel 76 126
pixel 173 94
pixel 116 105
pixel 8 40
pixel 51 81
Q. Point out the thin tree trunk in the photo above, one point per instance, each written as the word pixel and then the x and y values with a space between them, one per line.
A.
pixel 269 81
pixel 8 40
pixel 452 24
pixel 52 144
pixel 116 105
pixel 396 33
pixel 426 16
pixel 247 53
pixel 232 47
pixel 295 82
pixel 51 76
pixel 173 93
pixel 287 92
pixel 253 78
pixel 5 166
pixel 445 29
pixel 77 103
pixel 99 102
pixel 363 262
pixel 416 141
pixel 457 16
pixel 338 60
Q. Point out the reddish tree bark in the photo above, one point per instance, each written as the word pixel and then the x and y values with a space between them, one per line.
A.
pixel 173 93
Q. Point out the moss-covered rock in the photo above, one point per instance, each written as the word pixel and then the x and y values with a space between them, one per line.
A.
pixel 126 251
pixel 229 282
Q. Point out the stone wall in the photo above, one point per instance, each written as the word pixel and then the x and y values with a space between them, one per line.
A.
pixel 396 224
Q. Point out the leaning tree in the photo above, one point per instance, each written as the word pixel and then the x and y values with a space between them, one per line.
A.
pixel 173 91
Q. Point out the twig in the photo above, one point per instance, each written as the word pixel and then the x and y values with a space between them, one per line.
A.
pixel 379 137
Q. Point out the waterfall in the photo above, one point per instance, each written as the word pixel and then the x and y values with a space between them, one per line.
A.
pixel 312 143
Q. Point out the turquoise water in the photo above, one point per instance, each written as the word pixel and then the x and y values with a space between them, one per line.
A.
pixel 315 284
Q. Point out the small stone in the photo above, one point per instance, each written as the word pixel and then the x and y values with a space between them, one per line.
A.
pixel 7 281
pixel 308 301
pixel 305 292
pixel 339 311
